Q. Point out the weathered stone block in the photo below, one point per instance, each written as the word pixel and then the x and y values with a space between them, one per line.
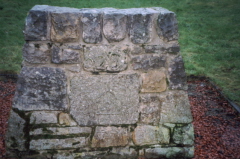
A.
pixel 41 88
pixel 184 135
pixel 177 75
pixel 149 135
pixel 65 26
pixel 168 152
pixel 125 152
pixel 65 119
pixel 15 136
pixel 167 24
pixel 60 55
pixel 44 117
pixel 175 107
pixel 114 25
pixel 36 24
pixel 141 24
pixel 154 81
pixel 150 108
pixel 69 143
pixel 154 49
pixel 110 136
pixel 147 62
pixel 92 22
pixel 61 131
pixel 36 53
pixel 105 99
pixel 105 58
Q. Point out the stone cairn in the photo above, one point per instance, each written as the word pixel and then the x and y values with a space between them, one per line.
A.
pixel 101 83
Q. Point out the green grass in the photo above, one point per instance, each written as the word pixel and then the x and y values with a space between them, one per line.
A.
pixel 209 34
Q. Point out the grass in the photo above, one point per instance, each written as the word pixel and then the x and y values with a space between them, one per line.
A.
pixel 209 34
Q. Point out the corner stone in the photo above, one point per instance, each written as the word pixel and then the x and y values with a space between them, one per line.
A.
pixel 184 135
pixel 110 136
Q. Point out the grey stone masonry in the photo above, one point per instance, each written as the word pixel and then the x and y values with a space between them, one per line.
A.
pixel 101 83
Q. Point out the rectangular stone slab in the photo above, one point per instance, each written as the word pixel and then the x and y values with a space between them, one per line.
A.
pixel 105 99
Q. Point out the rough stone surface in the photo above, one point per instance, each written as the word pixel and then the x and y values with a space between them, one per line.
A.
pixel 154 81
pixel 175 107
pixel 110 136
pixel 68 56
pixel 146 62
pixel 154 49
pixel 114 26
pixel 61 131
pixel 65 119
pixel 141 22
pixel 41 88
pixel 150 109
pixel 36 53
pixel 45 144
pixel 169 152
pixel 148 135
pixel 105 58
pixel 92 22
pixel 105 99
pixel 65 26
pixel 177 75
pixel 15 138
pixel 183 135
pixel 36 23
pixel 173 49
pixel 125 152
pixel 43 117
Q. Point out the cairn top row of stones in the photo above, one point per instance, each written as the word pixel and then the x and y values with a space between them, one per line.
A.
pixel 67 25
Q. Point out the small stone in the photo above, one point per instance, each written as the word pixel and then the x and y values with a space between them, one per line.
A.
pixel 114 25
pixel 41 88
pixel 153 81
pixel 65 119
pixel 154 49
pixel 36 24
pixel 43 117
pixel 137 49
pixel 177 75
pixel 61 131
pixel 149 135
pixel 110 136
pixel 147 62
pixel 67 56
pixel 92 32
pixel 184 135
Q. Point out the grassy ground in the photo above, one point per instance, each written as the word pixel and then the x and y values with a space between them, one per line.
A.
pixel 209 34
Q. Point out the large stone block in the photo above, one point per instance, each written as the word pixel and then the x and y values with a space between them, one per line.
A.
pixel 65 25
pixel 149 135
pixel 105 99
pixel 105 58
pixel 153 81
pixel 15 137
pixel 69 143
pixel 110 136
pixel 147 62
pixel 150 109
pixel 177 75
pixel 36 53
pixel 41 88
pixel 60 55
pixel 114 25
pixel 140 25
pixel 92 22
pixel 36 24
pixel 175 107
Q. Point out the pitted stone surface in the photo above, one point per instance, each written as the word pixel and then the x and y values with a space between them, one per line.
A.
pixel 65 26
pixel 175 107
pixel 105 99
pixel 41 88
pixel 91 20
pixel 44 117
pixel 148 135
pixel 110 136
pixel 105 58
pixel 114 25
pixel 60 55
pixel 36 24
pixel 36 53
pixel 147 62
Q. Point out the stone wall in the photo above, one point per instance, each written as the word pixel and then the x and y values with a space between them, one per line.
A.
pixel 106 83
